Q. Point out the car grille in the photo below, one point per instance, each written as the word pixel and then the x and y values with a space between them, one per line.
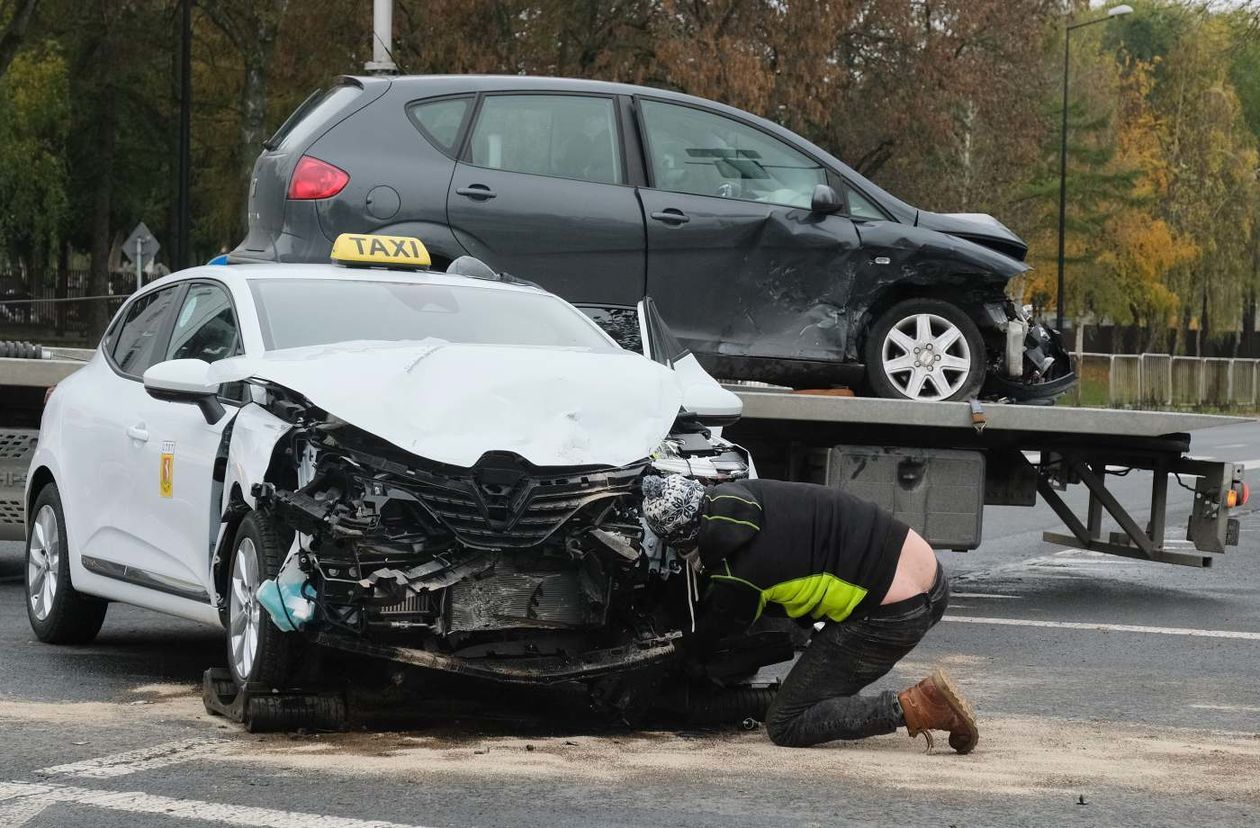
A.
pixel 505 503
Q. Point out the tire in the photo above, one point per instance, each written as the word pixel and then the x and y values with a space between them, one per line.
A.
pixel 59 614
pixel 258 652
pixel 917 329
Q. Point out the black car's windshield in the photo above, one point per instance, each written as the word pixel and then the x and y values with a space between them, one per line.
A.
pixel 297 312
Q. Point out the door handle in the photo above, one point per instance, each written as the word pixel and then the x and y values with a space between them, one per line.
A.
pixel 671 215
pixel 138 432
pixel 477 192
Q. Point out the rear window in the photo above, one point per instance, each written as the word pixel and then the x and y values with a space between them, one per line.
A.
pixel 298 312
pixel 314 113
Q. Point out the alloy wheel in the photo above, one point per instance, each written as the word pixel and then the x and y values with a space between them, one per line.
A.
pixel 926 357
pixel 244 611
pixel 43 562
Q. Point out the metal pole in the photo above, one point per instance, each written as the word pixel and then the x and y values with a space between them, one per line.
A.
pixel 139 264
pixel 1067 37
pixel 183 255
pixel 382 62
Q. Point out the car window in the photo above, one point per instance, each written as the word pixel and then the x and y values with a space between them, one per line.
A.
pixel 622 324
pixel 439 121
pixel 314 113
pixel 134 345
pixel 693 151
pixel 205 327
pixel 567 136
pixel 300 312
pixel 860 207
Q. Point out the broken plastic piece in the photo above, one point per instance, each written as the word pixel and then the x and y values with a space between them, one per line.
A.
pixel 978 418
pixel 285 597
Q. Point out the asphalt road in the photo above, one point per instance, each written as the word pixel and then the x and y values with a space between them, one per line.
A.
pixel 1110 692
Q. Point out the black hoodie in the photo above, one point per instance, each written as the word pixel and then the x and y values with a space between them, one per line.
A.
pixel 816 551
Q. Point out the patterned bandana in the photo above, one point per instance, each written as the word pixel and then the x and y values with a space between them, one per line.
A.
pixel 671 506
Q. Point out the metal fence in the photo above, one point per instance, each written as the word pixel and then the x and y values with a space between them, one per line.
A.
pixel 1162 381
pixel 58 315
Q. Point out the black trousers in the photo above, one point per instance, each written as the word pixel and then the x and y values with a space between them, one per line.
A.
pixel 819 700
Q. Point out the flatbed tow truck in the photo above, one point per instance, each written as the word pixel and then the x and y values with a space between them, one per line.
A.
pixel 936 465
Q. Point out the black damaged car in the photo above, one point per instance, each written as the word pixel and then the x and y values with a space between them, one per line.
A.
pixel 769 258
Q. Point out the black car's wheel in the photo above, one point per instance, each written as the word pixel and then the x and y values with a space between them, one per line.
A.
pixel 925 349
pixel 59 613
pixel 257 650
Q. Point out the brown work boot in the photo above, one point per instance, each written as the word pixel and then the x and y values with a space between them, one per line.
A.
pixel 936 704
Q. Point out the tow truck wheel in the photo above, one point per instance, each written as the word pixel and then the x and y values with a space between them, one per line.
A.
pixel 925 349
pixel 258 652
pixel 59 613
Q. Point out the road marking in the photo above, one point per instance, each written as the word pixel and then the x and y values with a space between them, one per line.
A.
pixel 1232 708
pixel 36 797
pixel 984 595
pixel 134 761
pixel 1078 625
pixel 19 810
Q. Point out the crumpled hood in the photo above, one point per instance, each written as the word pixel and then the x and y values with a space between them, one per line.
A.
pixel 981 228
pixel 453 403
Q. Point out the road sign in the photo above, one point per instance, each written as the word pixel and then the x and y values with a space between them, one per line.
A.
pixel 141 247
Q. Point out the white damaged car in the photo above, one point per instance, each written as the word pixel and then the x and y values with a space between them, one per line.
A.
pixel 434 468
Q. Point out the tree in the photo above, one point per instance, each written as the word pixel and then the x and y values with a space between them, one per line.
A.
pixel 34 125
pixel 1098 184
pixel 1211 158
pixel 15 31
pixel 252 27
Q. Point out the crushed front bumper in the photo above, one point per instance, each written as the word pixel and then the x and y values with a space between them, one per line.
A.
pixel 530 670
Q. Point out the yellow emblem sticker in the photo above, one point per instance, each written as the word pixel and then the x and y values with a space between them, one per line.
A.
pixel 166 469
pixel 385 251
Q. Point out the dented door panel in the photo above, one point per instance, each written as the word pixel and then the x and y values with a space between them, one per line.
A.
pixel 743 278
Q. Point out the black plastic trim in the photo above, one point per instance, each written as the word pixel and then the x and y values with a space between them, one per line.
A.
pixel 144 578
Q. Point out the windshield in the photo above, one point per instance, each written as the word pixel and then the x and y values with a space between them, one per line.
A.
pixel 298 312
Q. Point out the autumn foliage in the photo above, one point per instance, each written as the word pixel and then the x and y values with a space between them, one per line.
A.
pixel 951 104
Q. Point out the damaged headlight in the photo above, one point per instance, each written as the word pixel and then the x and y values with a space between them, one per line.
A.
pixel 708 459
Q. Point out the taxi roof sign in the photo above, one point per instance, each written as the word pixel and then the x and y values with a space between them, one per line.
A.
pixel 366 249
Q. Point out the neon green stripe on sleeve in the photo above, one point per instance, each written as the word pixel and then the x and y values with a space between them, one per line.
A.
pixel 733 497
pixel 733 520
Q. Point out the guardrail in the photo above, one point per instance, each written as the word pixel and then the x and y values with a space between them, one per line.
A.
pixel 1163 381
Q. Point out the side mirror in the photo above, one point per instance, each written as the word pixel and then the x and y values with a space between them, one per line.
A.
pixel 825 200
pixel 185 381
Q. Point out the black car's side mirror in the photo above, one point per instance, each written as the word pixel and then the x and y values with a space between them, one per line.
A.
pixel 825 200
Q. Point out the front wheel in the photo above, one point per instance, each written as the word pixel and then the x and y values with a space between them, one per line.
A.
pixel 258 652
pixel 59 614
pixel 925 349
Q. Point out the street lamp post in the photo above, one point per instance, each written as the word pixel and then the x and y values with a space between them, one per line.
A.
pixel 1113 12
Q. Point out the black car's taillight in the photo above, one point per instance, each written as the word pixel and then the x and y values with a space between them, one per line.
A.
pixel 316 179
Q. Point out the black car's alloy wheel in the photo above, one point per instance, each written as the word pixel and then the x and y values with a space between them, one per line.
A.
pixel 925 349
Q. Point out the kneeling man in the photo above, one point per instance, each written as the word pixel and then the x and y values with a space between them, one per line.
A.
pixel 822 555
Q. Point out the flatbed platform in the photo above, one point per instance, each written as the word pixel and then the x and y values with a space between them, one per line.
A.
pixel 1056 419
